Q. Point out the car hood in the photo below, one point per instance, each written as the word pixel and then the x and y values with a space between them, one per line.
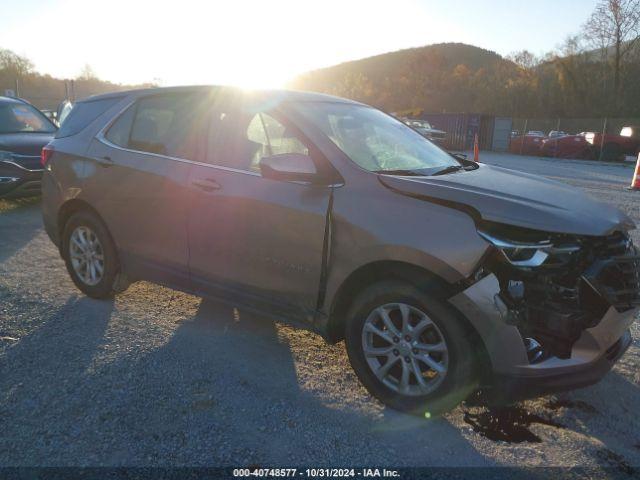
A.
pixel 506 196
pixel 24 143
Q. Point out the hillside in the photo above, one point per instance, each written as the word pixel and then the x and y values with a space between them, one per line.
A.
pixel 435 77
pixel 454 77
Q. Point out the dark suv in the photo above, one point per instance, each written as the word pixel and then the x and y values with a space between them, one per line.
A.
pixel 24 130
pixel 442 275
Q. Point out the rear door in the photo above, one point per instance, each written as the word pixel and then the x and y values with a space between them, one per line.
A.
pixel 137 180
pixel 251 238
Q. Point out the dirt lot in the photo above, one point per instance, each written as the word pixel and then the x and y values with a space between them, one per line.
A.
pixel 158 377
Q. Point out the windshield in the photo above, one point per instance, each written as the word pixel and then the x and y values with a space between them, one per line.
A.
pixel 23 118
pixel 375 141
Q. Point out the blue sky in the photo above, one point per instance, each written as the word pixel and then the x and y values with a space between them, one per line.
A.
pixel 264 42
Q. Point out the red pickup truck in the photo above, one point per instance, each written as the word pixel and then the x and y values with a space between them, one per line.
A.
pixel 615 147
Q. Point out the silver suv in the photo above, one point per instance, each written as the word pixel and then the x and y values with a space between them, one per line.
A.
pixel 441 275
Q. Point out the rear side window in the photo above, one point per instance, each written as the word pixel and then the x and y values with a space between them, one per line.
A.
pixel 83 113
pixel 163 124
pixel 119 132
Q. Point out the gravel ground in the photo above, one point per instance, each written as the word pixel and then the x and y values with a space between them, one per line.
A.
pixel 161 378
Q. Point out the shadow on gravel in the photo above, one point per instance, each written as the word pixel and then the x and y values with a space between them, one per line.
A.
pixel 42 410
pixel 605 412
pixel 614 420
pixel 222 390
pixel 20 221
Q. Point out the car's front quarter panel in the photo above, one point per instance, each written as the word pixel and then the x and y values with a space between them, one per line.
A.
pixel 371 223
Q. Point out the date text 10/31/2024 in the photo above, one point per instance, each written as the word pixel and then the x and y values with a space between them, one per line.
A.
pixel 316 472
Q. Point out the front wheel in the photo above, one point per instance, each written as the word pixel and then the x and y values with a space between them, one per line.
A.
pixel 409 349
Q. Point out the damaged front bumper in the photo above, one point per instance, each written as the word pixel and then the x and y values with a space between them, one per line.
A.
pixel 513 374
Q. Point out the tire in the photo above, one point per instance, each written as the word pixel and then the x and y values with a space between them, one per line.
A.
pixel 111 281
pixel 460 378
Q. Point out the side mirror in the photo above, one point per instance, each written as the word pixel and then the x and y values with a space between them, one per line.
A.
pixel 291 167
pixel 460 156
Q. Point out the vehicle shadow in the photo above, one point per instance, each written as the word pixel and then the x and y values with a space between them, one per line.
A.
pixel 233 379
pixel 607 411
pixel 20 221
pixel 52 388
pixel 224 389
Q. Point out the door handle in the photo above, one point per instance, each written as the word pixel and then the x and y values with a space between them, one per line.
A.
pixel 207 184
pixel 104 161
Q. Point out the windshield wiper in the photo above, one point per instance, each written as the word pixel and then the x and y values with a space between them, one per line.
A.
pixel 408 173
pixel 449 169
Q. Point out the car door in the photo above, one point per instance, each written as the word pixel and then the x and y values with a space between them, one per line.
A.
pixel 254 239
pixel 137 180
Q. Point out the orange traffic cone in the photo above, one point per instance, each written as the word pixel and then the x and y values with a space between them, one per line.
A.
pixel 635 182
pixel 476 150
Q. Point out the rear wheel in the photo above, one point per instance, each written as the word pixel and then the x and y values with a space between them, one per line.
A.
pixel 409 349
pixel 91 256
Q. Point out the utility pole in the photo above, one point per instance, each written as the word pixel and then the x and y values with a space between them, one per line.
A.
pixel 604 131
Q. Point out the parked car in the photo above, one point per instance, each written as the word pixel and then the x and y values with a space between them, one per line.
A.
pixel 536 133
pixel 631 131
pixel 567 146
pixel 24 130
pixel 50 114
pixel 425 128
pixel 557 133
pixel 64 108
pixel 614 147
pixel 526 144
pixel 440 274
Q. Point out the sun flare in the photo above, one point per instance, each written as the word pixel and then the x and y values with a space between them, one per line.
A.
pixel 247 43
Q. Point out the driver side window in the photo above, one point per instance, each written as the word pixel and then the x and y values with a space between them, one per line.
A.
pixel 239 139
pixel 271 138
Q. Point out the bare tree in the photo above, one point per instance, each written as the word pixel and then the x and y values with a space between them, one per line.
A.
pixel 14 63
pixel 524 59
pixel 615 24
pixel 87 73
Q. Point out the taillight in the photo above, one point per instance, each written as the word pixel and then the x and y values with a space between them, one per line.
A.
pixel 45 155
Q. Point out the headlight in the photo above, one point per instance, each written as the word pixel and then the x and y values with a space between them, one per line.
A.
pixel 527 254
pixel 6 156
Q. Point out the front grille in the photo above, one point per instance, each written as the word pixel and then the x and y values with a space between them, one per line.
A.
pixel 616 245
pixel 437 136
pixel 32 187
pixel 615 275
pixel 28 162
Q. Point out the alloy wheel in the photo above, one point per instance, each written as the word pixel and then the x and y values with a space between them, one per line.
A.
pixel 405 349
pixel 87 255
